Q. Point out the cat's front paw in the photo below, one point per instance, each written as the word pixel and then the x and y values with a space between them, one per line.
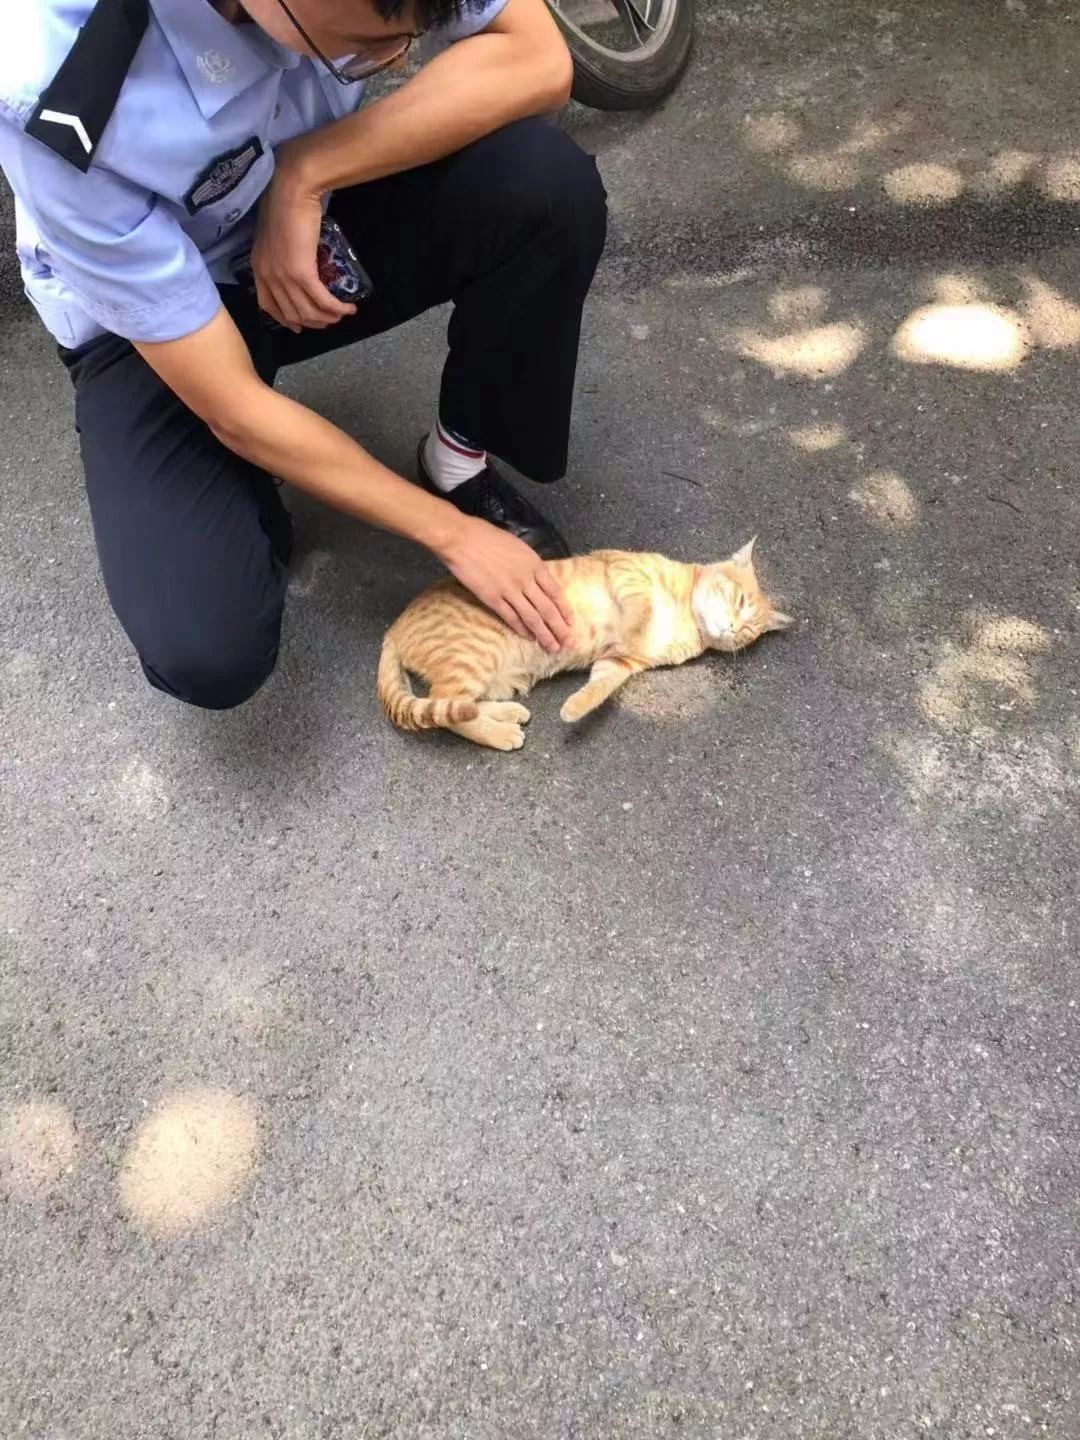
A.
pixel 576 708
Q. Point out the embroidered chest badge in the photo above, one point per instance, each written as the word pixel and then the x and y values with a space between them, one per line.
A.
pixel 222 175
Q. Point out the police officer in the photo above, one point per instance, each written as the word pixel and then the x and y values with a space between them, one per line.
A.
pixel 152 145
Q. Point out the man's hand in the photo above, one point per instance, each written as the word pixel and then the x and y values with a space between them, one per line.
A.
pixel 510 579
pixel 283 258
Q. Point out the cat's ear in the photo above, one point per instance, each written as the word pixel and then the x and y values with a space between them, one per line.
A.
pixel 745 556
pixel 779 621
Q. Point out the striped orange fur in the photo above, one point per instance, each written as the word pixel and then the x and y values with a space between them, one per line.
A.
pixel 632 612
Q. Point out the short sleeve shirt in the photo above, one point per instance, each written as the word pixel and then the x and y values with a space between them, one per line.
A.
pixel 137 244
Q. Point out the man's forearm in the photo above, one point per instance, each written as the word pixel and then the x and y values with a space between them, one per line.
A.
pixel 298 445
pixel 473 88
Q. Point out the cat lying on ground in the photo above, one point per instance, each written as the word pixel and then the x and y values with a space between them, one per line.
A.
pixel 631 612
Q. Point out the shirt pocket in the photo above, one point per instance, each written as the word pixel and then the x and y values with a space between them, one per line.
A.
pixel 226 190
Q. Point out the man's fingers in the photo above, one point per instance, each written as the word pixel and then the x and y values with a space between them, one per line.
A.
pixel 286 308
pixel 550 612
pixel 551 587
pixel 302 307
pixel 306 314
pixel 320 301
pixel 534 621
pixel 267 303
pixel 506 612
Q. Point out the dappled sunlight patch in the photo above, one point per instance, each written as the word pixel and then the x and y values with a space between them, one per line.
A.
pixel 954 694
pixel 799 304
pixel 867 135
pixel 679 695
pixel 38 1144
pixel 991 672
pixel 888 501
pixel 1061 178
pixel 141 791
pixel 818 352
pixel 190 1157
pixel 980 337
pixel 960 287
pixel 21 676
pixel 307 575
pixel 720 280
pixel 766 134
pixel 1006 170
pixel 813 439
pixel 1037 776
pixel 825 170
pixel 1054 319
pixel 1009 633
pixel 1072 744
pixel 925 763
pixel 839 167
pixel 923 184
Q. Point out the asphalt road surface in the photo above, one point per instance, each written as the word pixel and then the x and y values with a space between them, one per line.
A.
pixel 711 1071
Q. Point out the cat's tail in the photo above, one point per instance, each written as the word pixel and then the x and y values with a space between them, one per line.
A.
pixel 415 712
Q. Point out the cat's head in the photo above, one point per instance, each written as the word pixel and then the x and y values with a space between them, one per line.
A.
pixel 730 607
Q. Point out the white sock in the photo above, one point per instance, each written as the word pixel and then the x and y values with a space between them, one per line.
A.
pixel 450 461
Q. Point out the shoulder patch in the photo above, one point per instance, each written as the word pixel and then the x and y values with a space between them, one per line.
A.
pixel 222 175
pixel 75 107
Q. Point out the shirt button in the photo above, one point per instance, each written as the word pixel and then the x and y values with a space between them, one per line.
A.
pixel 232 217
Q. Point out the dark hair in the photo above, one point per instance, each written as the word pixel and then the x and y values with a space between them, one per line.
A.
pixel 429 14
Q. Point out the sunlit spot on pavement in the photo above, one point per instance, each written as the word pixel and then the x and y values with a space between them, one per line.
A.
pixel 141 790
pixel 679 695
pixel 813 439
pixel 799 305
pixel 990 671
pixel 1005 170
pixel 1061 178
pixel 766 134
pixel 888 501
pixel 967 337
pixel 824 171
pixel 923 184
pixel 819 352
pixel 1054 319
pixel 190 1157
pixel 38 1143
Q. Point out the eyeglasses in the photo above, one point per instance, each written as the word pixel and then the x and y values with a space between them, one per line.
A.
pixel 356 67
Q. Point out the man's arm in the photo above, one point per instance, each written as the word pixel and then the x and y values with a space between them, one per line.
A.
pixel 212 373
pixel 517 67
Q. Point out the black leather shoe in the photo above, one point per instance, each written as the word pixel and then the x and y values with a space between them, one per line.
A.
pixel 490 496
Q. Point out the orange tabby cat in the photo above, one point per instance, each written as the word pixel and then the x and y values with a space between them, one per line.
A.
pixel 631 612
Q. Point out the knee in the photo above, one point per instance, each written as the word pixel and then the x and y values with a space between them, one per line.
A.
pixel 548 180
pixel 213 678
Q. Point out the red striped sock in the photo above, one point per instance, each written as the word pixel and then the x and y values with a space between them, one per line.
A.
pixel 450 460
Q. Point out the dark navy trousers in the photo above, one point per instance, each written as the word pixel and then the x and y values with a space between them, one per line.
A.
pixel 194 542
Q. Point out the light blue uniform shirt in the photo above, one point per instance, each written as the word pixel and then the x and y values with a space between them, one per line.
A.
pixel 137 244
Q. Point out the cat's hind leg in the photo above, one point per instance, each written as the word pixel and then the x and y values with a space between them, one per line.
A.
pixel 499 723
pixel 495 734
pixel 605 677
pixel 499 699
pixel 505 710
